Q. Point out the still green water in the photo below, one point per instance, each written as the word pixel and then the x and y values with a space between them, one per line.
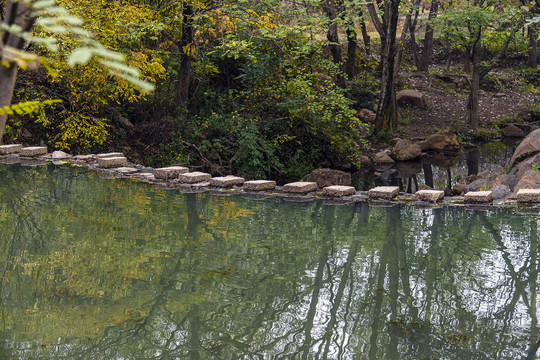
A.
pixel 113 269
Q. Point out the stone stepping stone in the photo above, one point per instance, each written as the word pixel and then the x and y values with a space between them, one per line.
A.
pixel 478 197
pixel 126 170
pixel 109 155
pixel 339 191
pixel 170 172
pixel 84 157
pixel 259 185
pixel 112 162
pixel 194 177
pixel 226 181
pixel 384 192
pixel 301 187
pixel 34 151
pixel 10 149
pixel 429 195
pixel 528 196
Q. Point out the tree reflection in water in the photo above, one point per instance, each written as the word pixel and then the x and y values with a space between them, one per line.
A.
pixel 95 269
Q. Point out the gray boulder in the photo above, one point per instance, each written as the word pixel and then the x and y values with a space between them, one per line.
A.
pixel 512 131
pixel 406 150
pixel 328 177
pixel 412 98
pixel 528 147
pixel 383 158
pixel 500 192
pixel 56 155
pixel 441 141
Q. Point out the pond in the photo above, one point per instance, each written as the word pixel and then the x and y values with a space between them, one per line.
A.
pixel 115 269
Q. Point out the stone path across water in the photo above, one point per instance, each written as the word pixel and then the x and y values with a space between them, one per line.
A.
pixel 116 165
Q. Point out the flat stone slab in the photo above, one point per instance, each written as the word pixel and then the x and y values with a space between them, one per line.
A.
pixel 126 170
pixel 259 185
pixel 478 197
pixel 109 155
pixel 194 177
pixel 226 181
pixel 300 187
pixel 338 191
pixel 528 196
pixel 34 151
pixel 384 192
pixel 170 172
pixel 84 157
pixel 112 162
pixel 10 149
pixel 429 195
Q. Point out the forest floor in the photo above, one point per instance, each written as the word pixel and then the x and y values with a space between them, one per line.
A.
pixel 505 98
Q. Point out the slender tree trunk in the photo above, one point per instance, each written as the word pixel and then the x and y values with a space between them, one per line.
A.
pixel 350 64
pixel 412 32
pixel 474 98
pixel 386 112
pixel 333 39
pixel 400 48
pixel 365 37
pixel 427 51
pixel 16 13
pixel 532 60
pixel 473 103
pixel 7 84
pixel 186 41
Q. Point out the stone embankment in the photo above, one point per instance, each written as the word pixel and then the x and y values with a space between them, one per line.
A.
pixel 116 165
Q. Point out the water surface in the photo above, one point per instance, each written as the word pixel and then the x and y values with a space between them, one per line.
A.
pixel 114 269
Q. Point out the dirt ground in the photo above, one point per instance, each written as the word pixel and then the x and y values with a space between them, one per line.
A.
pixel 504 99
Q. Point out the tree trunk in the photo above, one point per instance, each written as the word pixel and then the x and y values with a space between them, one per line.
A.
pixel 427 51
pixel 412 32
pixel 365 37
pixel 475 58
pixel 532 60
pixel 186 41
pixel 349 67
pixel 399 52
pixel 7 84
pixel 333 40
pixel 473 113
pixel 386 119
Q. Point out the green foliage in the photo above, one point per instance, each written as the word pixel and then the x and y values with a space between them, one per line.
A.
pixel 535 167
